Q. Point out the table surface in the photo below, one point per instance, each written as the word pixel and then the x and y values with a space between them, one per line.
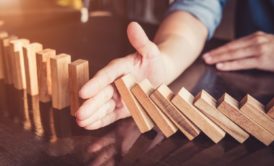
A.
pixel 32 133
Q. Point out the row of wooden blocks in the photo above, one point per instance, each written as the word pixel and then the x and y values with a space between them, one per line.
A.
pixel 27 66
pixel 191 115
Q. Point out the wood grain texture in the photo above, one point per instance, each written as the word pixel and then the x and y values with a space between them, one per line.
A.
pixel 142 91
pixel 124 84
pixel 78 76
pixel 2 68
pixel 207 105
pixel 254 110
pixel 31 67
pixel 230 107
pixel 60 85
pixel 270 108
pixel 44 74
pixel 183 101
pixel 161 97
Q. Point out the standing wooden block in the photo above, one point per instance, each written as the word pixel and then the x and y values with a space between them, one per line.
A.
pixel 183 101
pixel 78 76
pixel 270 108
pixel 31 67
pixel 161 97
pixel 44 74
pixel 142 91
pixel 59 77
pixel 254 110
pixel 3 35
pixel 123 85
pixel 207 105
pixel 230 107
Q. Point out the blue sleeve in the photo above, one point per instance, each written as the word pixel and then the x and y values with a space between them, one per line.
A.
pixel 208 12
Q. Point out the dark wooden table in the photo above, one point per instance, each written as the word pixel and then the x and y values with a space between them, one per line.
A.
pixel 32 133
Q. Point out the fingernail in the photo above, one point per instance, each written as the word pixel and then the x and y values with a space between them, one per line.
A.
pixel 220 65
pixel 207 58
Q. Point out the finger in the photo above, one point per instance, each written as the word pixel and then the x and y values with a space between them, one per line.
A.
pixel 101 143
pixel 105 154
pixel 90 106
pixel 248 63
pixel 140 41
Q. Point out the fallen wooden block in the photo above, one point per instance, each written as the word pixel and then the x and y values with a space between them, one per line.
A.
pixel 3 35
pixel 31 67
pixel 230 107
pixel 60 84
pixel 254 110
pixel 142 91
pixel 207 105
pixel 78 76
pixel 270 108
pixel 44 74
pixel 124 84
pixel 161 97
pixel 183 101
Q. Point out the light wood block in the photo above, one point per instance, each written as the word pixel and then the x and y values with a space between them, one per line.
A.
pixel 270 108
pixel 3 35
pixel 254 110
pixel 207 105
pixel 183 101
pixel 124 84
pixel 60 85
pixel 78 76
pixel 142 91
pixel 161 97
pixel 44 74
pixel 230 107
pixel 31 67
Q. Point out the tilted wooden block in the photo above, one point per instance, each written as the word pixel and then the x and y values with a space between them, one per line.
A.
pixel 161 97
pixel 44 74
pixel 183 101
pixel 31 67
pixel 142 91
pixel 60 84
pixel 124 84
pixel 207 105
pixel 78 76
pixel 270 108
pixel 254 110
pixel 3 35
pixel 230 107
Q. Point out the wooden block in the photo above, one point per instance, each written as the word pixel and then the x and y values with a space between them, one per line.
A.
pixel 161 97
pixel 254 110
pixel 78 76
pixel 183 101
pixel 142 91
pixel 2 68
pixel 207 105
pixel 44 74
pixel 124 84
pixel 270 108
pixel 59 77
pixel 31 67
pixel 18 68
pixel 230 107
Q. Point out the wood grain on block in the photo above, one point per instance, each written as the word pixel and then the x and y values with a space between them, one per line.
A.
pixel 207 105
pixel 254 110
pixel 19 74
pixel 3 35
pixel 230 107
pixel 183 101
pixel 44 74
pixel 60 85
pixel 78 76
pixel 31 67
pixel 270 108
pixel 123 85
pixel 142 91
pixel 161 97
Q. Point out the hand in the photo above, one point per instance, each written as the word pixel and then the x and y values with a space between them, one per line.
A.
pixel 255 51
pixel 103 104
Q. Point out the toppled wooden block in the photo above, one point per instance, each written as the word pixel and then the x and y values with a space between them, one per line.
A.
pixel 78 76
pixel 44 74
pixel 161 97
pixel 230 107
pixel 31 67
pixel 60 84
pixel 123 85
pixel 183 101
pixel 207 105
pixel 254 110
pixel 3 35
pixel 142 91
pixel 270 108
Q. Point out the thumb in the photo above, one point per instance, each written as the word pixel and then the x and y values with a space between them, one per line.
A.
pixel 139 40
